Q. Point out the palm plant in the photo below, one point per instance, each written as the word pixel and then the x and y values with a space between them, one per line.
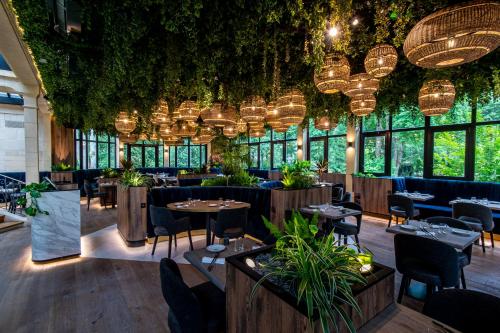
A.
pixel 126 164
pixel 131 178
pixel 322 167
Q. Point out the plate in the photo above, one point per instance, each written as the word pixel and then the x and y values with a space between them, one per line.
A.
pixel 216 248
pixel 213 205
pixel 408 227
pixel 314 206
pixel 460 232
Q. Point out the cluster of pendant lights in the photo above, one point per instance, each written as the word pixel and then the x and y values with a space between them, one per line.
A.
pixel 289 109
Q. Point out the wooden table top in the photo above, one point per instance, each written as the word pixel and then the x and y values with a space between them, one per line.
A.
pixel 493 205
pixel 457 241
pixel 206 206
pixel 330 212
pixel 416 196
pixel 401 319
pixel 218 274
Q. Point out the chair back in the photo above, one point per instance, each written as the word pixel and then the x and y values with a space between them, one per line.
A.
pixel 476 211
pixel 89 191
pixel 464 310
pixel 400 202
pixel 183 304
pixel 161 216
pixel 337 193
pixel 347 197
pixel 414 251
pixel 230 218
pixel 355 206
pixel 451 222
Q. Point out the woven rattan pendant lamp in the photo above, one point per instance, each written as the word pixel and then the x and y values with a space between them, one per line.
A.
pixel 381 60
pixel 160 115
pixel 361 84
pixel 253 111
pixel 324 123
pixel 363 105
pixel 291 107
pixel 333 75
pixel 124 123
pixel 454 35
pixel 436 97
pixel 189 111
pixel 219 115
pixel 272 117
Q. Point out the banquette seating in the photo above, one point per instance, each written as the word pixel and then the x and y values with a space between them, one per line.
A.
pixel 445 191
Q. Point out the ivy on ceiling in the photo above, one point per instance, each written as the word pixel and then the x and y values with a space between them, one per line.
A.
pixel 131 53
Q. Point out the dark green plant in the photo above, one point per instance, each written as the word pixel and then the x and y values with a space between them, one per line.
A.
pixel 319 270
pixel 322 167
pixel 33 192
pixel 131 178
pixel 297 175
pixel 109 173
pixel 126 164
pixel 242 178
pixel 363 175
pixel 62 167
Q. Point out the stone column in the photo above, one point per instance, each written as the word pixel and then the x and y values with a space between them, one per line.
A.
pixel 350 154
pixel 44 136
pixel 31 139
pixel 301 143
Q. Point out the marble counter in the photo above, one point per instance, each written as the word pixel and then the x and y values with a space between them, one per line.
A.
pixel 56 235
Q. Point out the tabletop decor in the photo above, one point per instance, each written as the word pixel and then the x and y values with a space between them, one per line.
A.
pixel 454 35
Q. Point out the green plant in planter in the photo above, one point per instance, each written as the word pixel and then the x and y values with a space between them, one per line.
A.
pixel 319 271
pixel 131 178
pixel 34 190
pixel 182 172
pixel 242 178
pixel 322 167
pixel 62 167
pixel 363 175
pixel 109 173
pixel 126 164
pixel 297 175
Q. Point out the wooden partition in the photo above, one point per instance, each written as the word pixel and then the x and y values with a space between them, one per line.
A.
pixel 334 178
pixel 372 193
pixel 283 200
pixel 132 214
pixel 274 175
pixel 63 144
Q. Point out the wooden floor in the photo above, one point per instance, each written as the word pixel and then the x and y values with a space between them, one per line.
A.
pixel 103 295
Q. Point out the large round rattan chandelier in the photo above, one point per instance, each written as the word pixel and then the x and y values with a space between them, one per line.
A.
pixel 361 84
pixel 381 60
pixel 454 35
pixel 363 105
pixel 160 115
pixel 324 123
pixel 124 123
pixel 230 131
pixel 219 115
pixel 253 111
pixel 184 130
pixel 204 136
pixel 291 107
pixel 334 74
pixel 436 97
pixel 272 116
pixel 241 126
pixel 256 132
pixel 128 138
pixel 189 111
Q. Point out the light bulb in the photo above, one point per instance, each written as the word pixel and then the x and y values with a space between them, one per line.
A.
pixel 291 103
pixel 330 73
pixel 362 103
pixel 380 61
pixel 360 85
pixel 253 108
pixel 327 123
pixel 436 95
pixel 333 31
pixel 451 42
pixel 275 111
pixel 355 22
pixel 219 115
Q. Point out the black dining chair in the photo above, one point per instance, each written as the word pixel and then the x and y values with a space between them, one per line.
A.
pixel 165 224
pixel 467 311
pixel 198 309
pixel 464 256
pixel 230 223
pixel 346 229
pixel 401 207
pixel 426 260
pixel 478 217
pixel 337 193
pixel 91 193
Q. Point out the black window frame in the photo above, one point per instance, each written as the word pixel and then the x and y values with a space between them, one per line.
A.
pixel 203 157
pixel 157 146
pixel 326 141
pixel 81 137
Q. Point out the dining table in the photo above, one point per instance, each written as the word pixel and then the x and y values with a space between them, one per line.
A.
pixel 493 205
pixel 201 259
pixel 207 207
pixel 457 238
pixel 417 196
pixel 329 211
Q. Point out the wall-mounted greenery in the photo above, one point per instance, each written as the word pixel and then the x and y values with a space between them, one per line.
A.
pixel 131 53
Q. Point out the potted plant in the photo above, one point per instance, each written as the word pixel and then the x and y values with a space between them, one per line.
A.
pixel 315 282
pixel 62 173
pixel 132 210
pixel 55 221
pixel 321 167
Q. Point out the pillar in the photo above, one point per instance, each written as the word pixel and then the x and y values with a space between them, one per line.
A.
pixel 31 139
pixel 301 143
pixel 350 154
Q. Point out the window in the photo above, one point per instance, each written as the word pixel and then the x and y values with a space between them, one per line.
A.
pixel 374 154
pixel 487 161
pixel 145 154
pixel 329 145
pixel 460 113
pixel 407 154
pixel 94 151
pixel 449 154
pixel 188 155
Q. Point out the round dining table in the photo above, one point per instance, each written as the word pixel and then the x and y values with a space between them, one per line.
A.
pixel 207 207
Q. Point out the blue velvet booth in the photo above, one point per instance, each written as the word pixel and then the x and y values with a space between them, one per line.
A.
pixel 445 191
pixel 258 198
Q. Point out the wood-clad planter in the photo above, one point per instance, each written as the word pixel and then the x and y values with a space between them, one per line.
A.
pixel 372 193
pixel 132 214
pixel 334 178
pixel 56 235
pixel 61 176
pixel 283 200
pixel 275 310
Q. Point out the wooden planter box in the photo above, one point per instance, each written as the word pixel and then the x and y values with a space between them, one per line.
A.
pixel 61 177
pixel 283 200
pixel 334 178
pixel 103 180
pixel 275 310
pixel 56 235
pixel 132 214
pixel 372 193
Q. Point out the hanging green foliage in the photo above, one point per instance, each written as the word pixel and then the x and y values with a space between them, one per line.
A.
pixel 131 53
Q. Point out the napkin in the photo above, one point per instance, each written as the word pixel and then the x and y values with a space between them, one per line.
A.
pixel 208 260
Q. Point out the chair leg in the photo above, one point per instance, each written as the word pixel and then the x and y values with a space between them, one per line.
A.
pixel 402 289
pixel 213 237
pixel 190 240
pixel 492 240
pixel 345 239
pixel 482 242
pixel 175 240
pixel 462 277
pixel 169 246
pixel 88 203
pixel 390 220
pixel 357 239
pixel 154 245
pixel 429 290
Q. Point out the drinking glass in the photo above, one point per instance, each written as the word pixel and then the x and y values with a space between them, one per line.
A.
pixel 189 202
pixel 238 244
